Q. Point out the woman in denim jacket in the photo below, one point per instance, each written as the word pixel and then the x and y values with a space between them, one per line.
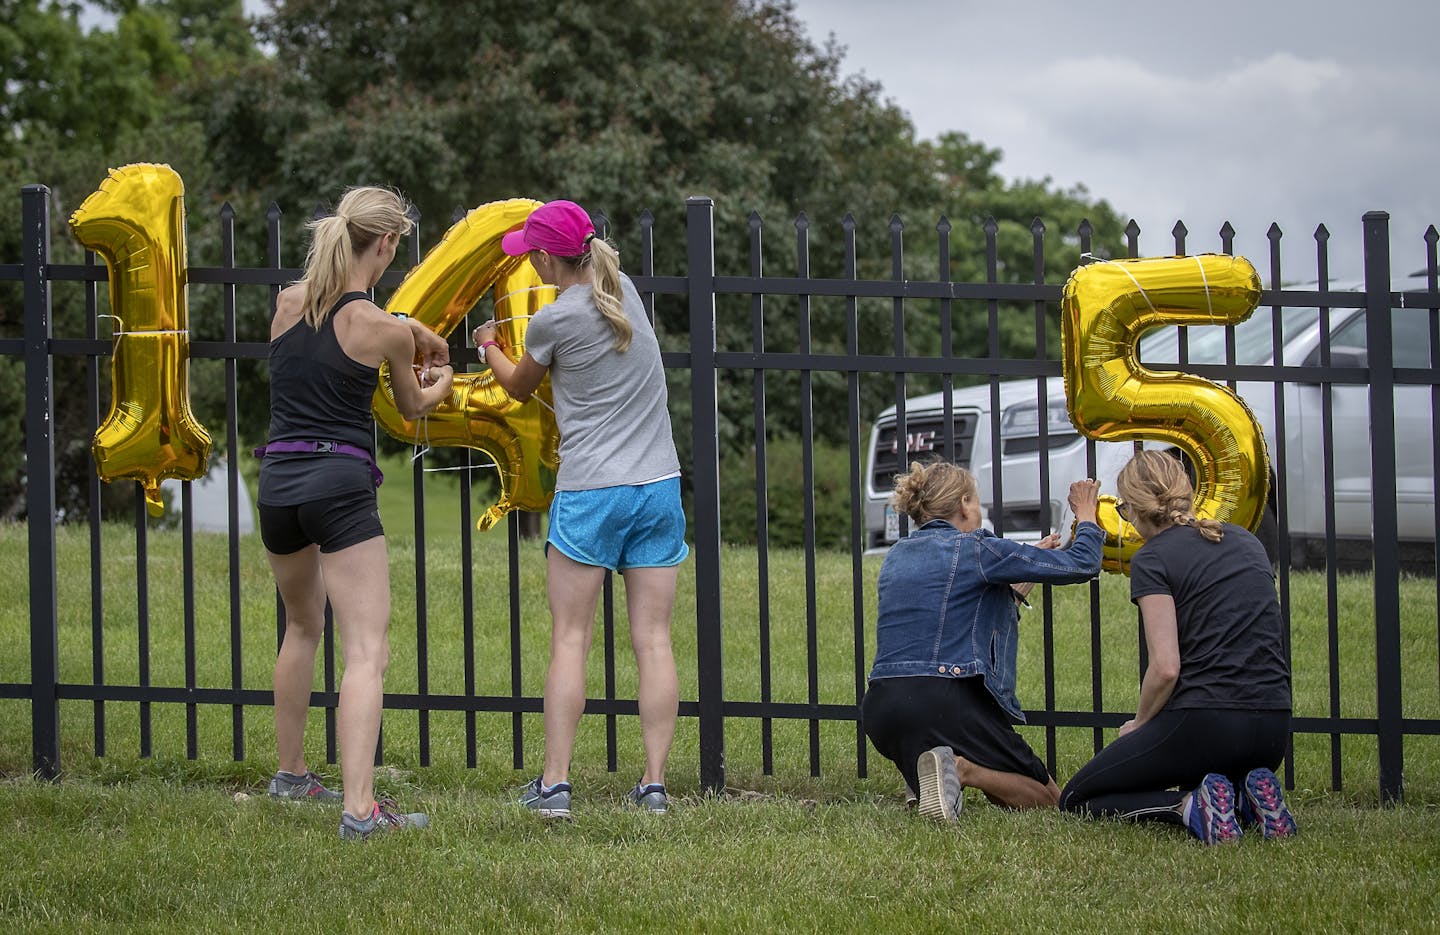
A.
pixel 941 703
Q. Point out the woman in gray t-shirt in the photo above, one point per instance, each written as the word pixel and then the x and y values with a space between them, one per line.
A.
pixel 617 493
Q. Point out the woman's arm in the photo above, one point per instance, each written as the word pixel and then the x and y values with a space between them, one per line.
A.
pixel 429 346
pixel 1024 566
pixel 1162 645
pixel 1023 588
pixel 397 343
pixel 518 378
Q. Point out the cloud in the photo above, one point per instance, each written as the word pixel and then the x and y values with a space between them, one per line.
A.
pixel 1280 137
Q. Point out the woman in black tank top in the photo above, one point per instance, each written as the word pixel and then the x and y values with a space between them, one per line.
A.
pixel 318 513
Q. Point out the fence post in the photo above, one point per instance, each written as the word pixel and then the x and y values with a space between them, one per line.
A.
pixel 705 473
pixel 40 484
pixel 1378 336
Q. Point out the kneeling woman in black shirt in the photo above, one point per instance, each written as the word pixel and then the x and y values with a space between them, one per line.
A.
pixel 1213 718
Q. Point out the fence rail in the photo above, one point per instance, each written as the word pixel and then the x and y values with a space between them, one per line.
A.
pixel 701 289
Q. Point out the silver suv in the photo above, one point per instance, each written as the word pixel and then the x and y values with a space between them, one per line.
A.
pixel 1025 505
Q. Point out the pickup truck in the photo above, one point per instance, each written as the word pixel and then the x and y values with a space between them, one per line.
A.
pixel 1027 511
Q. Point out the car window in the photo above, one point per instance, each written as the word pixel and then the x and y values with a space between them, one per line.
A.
pixel 1410 335
pixel 1254 342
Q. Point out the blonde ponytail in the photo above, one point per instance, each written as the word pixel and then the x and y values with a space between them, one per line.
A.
pixel 363 216
pixel 605 261
pixel 327 267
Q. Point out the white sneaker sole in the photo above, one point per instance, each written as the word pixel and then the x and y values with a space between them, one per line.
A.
pixel 939 785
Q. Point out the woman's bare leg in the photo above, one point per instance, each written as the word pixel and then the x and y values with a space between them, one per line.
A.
pixel 1010 790
pixel 302 588
pixel 358 581
pixel 650 597
pixel 574 590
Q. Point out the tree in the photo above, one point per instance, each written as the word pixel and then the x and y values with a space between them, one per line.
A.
pixel 625 108
pixel 77 102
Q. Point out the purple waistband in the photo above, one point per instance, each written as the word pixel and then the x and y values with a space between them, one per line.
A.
pixel 323 448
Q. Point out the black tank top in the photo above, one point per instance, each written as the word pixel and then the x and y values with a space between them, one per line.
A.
pixel 317 393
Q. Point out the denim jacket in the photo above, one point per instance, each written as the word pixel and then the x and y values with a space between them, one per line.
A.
pixel 946 608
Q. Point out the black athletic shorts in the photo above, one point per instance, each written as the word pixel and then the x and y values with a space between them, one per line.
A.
pixel 904 717
pixel 333 523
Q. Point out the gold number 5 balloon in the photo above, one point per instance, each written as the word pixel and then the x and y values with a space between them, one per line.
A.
pixel 136 221
pixel 1105 309
pixel 521 438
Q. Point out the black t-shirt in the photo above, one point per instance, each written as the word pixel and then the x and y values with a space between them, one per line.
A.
pixel 1231 633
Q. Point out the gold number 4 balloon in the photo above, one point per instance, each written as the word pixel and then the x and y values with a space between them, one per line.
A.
pixel 136 222
pixel 521 438
pixel 1105 309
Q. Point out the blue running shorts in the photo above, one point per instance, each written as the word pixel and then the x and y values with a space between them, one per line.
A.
pixel 620 527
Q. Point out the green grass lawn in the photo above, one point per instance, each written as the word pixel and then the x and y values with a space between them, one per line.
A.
pixel 164 842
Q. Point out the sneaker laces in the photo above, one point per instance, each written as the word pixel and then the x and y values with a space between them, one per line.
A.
pixel 387 812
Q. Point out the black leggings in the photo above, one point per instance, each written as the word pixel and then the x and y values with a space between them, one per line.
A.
pixel 1137 776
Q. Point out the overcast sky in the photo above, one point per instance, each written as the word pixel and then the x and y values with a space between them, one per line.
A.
pixel 1300 112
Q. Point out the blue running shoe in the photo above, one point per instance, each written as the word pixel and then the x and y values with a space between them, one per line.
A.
pixel 1210 815
pixel 649 796
pixel 941 794
pixel 551 802
pixel 306 788
pixel 1263 803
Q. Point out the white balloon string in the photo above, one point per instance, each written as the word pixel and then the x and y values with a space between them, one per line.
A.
pixel 422 448
pixel 502 298
pixel 422 429
pixel 1139 288
pixel 122 332
pixel 1209 305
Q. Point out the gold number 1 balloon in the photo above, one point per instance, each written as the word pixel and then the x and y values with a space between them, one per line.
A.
pixel 521 438
pixel 136 222
pixel 1105 309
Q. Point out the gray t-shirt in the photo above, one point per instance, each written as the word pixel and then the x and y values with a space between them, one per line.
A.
pixel 611 407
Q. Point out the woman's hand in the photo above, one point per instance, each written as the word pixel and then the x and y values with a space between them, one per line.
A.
pixel 483 333
pixel 1051 541
pixel 430 349
pixel 430 376
pixel 1128 726
pixel 1085 500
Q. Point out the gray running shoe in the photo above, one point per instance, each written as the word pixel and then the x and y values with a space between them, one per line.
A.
pixel 912 798
pixel 553 802
pixel 385 816
pixel 650 797
pixel 306 788
pixel 941 794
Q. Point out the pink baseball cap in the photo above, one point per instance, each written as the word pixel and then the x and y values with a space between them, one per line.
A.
pixel 557 227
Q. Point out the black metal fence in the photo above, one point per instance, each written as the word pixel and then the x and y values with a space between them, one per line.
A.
pixel 699 289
